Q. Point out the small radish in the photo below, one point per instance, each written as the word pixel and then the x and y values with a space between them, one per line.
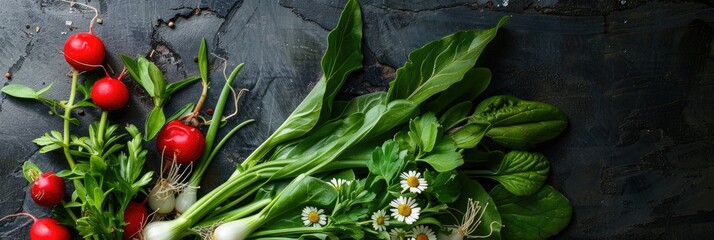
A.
pixel 135 216
pixel 109 93
pixel 84 51
pixel 48 190
pixel 183 142
pixel 45 228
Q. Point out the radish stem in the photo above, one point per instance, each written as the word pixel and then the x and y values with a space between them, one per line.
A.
pixel 67 114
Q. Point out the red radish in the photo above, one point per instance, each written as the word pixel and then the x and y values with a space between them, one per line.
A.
pixel 180 141
pixel 135 216
pixel 45 228
pixel 48 190
pixel 84 51
pixel 109 93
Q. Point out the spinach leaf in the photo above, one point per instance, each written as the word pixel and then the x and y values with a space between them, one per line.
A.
pixel 342 57
pixel 439 64
pixel 471 86
pixel 520 124
pixel 469 135
pixel 537 216
pixel 520 172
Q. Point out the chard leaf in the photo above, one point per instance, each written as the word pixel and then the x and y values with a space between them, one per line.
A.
pixel 445 157
pixel 533 217
pixel 439 64
pixel 520 124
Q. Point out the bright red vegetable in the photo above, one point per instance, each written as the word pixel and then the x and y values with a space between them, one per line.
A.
pixel 109 93
pixel 44 229
pixel 180 141
pixel 135 216
pixel 84 51
pixel 48 190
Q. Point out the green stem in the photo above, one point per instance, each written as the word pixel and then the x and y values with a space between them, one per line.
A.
pixel 69 211
pixel 102 128
pixel 67 115
pixel 237 213
pixel 287 231
pixel 206 158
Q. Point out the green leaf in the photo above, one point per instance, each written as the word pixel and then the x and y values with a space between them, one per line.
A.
pixel 175 87
pixel 533 217
pixel 143 77
pixel 203 61
pixel 387 161
pixel 471 86
pixel 31 171
pixel 439 64
pixel 97 165
pixel 157 78
pixel 469 135
pixel 154 122
pixel 489 226
pixel 44 90
pixel 300 192
pixel 132 67
pixel 425 130
pixel 444 157
pixel 520 124
pixel 521 172
pixel 443 186
pixel 342 57
pixel 185 109
pixel 20 91
pixel 456 114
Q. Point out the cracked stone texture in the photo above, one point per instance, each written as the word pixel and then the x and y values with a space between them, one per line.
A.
pixel 634 77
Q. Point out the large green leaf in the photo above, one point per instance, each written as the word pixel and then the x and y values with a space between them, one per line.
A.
pixel 439 64
pixel 489 226
pixel 520 172
pixel 342 57
pixel 471 86
pixel 520 124
pixel 533 217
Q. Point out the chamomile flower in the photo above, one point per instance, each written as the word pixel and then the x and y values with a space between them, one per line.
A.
pixel 311 216
pixel 405 209
pixel 397 234
pixel 422 232
pixel 413 182
pixel 380 220
pixel 337 183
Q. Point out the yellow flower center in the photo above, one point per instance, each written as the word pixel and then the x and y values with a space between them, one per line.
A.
pixel 404 210
pixel 313 217
pixel 422 236
pixel 412 181
pixel 380 220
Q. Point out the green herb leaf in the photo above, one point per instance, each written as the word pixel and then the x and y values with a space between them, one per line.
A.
pixel 471 86
pixel 456 114
pixel 203 61
pixel 520 124
pixel 143 78
pixel 175 87
pixel 387 161
pixel 44 90
pixel 424 130
pixel 154 122
pixel 439 64
pixel 157 78
pixel 535 217
pixel 472 192
pixel 20 91
pixel 185 109
pixel 445 157
pixel 132 67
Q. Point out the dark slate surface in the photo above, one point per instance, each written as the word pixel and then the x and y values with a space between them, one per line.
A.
pixel 635 78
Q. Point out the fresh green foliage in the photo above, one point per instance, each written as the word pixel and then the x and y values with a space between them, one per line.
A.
pixel 149 77
pixel 456 115
pixel 536 216
pixel 439 64
pixel 520 172
pixel 520 124
pixel 471 86
pixel 470 134
pixel 387 161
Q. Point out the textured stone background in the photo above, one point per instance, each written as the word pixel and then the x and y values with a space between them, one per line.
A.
pixel 635 78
